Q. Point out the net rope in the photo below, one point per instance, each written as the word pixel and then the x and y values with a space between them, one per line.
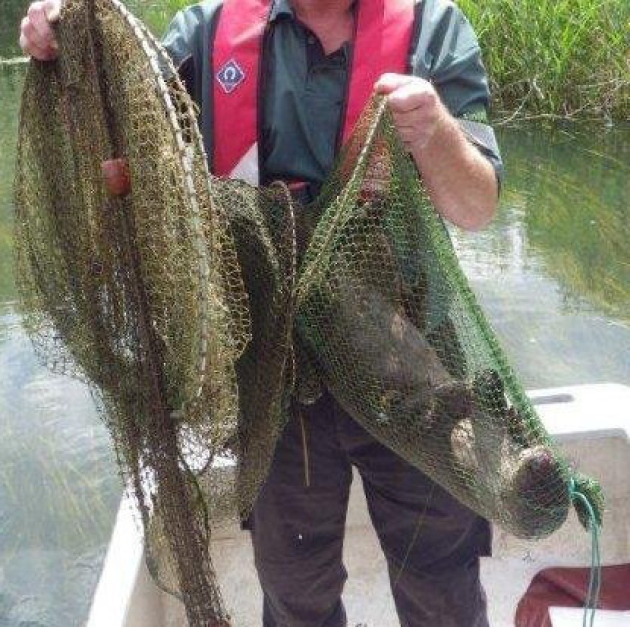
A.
pixel 203 312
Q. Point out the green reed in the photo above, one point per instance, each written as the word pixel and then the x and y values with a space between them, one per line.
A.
pixel 563 58
pixel 157 15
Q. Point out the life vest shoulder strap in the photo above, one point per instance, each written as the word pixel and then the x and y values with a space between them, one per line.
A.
pixel 381 44
pixel 236 57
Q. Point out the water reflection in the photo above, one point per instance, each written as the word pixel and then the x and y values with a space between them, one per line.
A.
pixel 58 483
pixel 552 274
pixel 576 214
pixel 553 271
pixel 57 489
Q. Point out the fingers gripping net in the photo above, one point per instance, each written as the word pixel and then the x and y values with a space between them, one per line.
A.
pixel 401 342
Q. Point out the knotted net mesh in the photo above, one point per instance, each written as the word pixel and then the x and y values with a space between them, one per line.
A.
pixel 199 310
pixel 399 338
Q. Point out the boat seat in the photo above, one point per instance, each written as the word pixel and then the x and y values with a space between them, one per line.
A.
pixel 561 589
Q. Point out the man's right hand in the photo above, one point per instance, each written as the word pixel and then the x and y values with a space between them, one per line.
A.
pixel 37 37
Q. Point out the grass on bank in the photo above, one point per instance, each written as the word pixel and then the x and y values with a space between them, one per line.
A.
pixel 565 58
pixel 556 57
pixel 157 15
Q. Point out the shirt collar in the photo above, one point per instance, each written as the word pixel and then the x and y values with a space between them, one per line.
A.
pixel 280 8
pixel 283 8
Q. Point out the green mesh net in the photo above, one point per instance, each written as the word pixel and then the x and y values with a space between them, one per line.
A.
pixel 400 340
pixel 199 310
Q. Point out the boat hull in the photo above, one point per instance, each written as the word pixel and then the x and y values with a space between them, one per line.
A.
pixel 592 427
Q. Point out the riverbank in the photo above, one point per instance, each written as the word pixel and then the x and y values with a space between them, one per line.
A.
pixel 556 58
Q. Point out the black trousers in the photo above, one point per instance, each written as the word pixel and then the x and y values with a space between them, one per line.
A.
pixel 298 521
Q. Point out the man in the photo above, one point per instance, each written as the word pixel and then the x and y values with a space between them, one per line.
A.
pixel 432 543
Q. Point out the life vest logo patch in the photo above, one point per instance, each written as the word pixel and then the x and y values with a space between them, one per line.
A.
pixel 230 76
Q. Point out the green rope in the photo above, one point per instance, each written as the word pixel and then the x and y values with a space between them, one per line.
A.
pixel 594 585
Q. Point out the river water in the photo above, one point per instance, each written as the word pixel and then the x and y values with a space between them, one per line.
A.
pixel 552 272
pixel 58 483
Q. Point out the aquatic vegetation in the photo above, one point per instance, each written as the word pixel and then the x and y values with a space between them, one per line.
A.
pixel 556 58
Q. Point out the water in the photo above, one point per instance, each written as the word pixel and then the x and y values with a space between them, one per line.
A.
pixel 58 483
pixel 553 273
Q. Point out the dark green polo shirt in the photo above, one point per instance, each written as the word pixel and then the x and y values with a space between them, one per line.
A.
pixel 303 89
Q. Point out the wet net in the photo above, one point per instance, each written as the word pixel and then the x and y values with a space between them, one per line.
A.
pixel 140 294
pixel 397 335
pixel 201 310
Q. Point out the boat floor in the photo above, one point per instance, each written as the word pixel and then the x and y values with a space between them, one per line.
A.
pixel 592 427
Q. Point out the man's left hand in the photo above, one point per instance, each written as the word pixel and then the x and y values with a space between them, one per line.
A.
pixel 460 181
pixel 416 107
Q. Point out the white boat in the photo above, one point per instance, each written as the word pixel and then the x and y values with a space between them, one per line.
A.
pixel 590 422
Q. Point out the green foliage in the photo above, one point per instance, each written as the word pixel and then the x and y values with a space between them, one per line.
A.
pixel 157 15
pixel 11 12
pixel 556 57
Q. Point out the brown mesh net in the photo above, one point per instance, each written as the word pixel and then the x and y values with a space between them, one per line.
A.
pixel 139 294
pixel 199 309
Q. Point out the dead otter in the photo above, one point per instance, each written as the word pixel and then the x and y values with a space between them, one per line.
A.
pixel 382 369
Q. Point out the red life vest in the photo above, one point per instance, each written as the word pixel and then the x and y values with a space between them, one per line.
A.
pixel 381 44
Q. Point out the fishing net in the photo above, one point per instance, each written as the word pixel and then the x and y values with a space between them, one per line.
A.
pixel 200 310
pixel 140 294
pixel 398 337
